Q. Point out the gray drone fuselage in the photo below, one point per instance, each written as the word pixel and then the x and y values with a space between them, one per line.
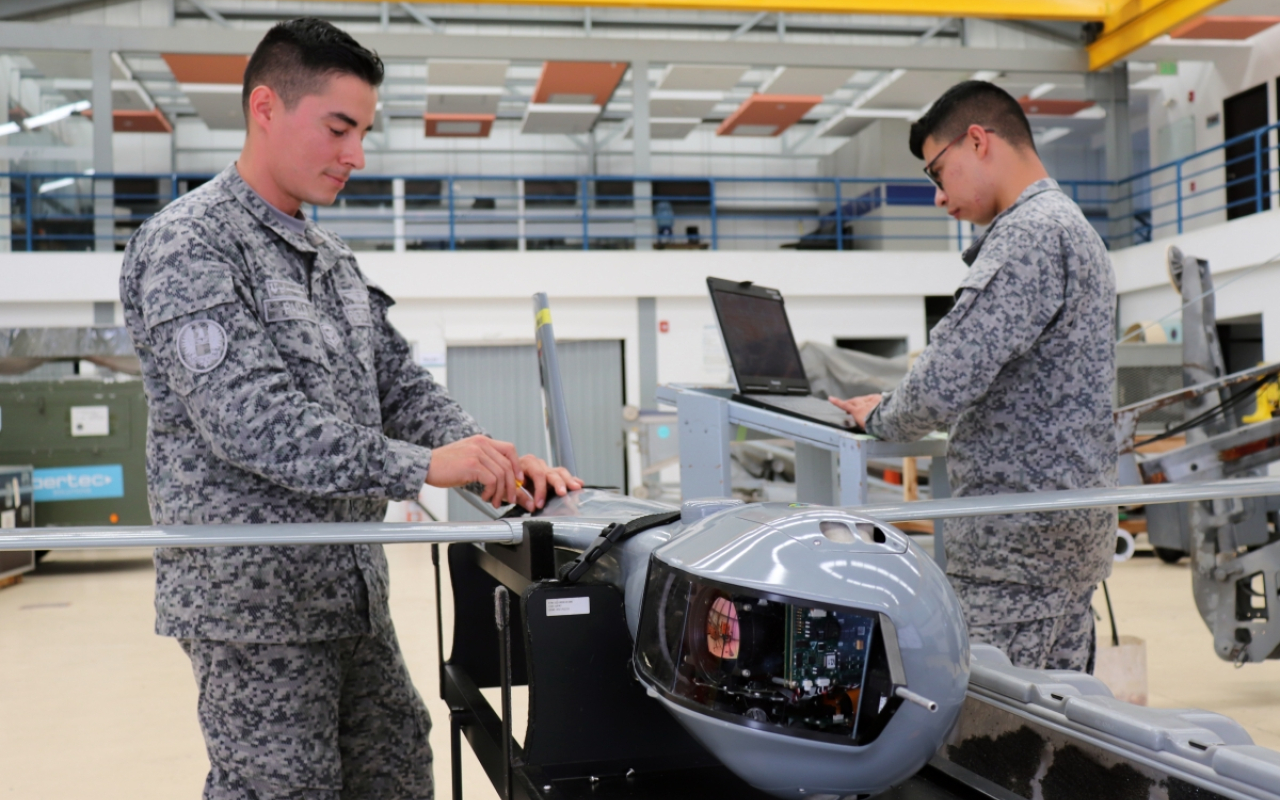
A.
pixel 785 638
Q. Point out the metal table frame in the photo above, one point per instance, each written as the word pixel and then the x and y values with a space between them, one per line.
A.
pixel 831 464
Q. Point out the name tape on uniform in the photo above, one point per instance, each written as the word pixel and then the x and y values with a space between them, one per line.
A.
pixel 568 606
pixel 281 288
pixel 280 309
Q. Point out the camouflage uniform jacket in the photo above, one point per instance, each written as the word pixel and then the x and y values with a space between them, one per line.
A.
pixel 277 392
pixel 1022 371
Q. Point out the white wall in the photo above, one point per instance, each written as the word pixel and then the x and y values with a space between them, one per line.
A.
pixel 46 315
pixel 146 153
pixel 1207 75
pixel 1233 250
pixel 468 297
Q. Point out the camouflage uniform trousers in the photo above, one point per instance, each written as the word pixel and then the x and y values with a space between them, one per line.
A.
pixel 1038 627
pixel 328 720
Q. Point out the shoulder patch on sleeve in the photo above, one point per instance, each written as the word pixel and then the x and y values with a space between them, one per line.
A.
pixel 201 345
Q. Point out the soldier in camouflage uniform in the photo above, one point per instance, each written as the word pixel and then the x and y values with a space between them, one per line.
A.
pixel 279 392
pixel 1021 372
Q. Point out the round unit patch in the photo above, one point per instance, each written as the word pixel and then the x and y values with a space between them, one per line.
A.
pixel 331 335
pixel 202 345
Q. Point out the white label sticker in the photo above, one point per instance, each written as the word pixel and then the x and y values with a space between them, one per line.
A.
pixel 9 519
pixel 568 606
pixel 90 421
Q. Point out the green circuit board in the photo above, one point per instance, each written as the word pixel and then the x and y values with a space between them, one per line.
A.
pixel 830 645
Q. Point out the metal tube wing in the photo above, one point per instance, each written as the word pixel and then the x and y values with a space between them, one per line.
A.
pixel 499 532
pixel 1031 502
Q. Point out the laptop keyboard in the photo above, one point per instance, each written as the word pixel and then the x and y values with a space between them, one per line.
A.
pixel 805 406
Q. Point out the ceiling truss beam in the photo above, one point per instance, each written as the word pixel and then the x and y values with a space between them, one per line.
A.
pixel 755 20
pixel 12 9
pixel 1066 10
pixel 37 36
pixel 421 18
pixel 1143 21
pixel 569 18
pixel 210 12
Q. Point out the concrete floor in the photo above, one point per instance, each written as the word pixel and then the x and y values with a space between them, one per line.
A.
pixel 94 705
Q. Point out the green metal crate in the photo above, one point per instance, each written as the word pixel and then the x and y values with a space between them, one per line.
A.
pixel 90 476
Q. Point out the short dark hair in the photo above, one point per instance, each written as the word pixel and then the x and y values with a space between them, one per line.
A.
pixel 298 55
pixel 972 103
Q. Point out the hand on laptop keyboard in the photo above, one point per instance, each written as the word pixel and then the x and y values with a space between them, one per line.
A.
pixel 858 407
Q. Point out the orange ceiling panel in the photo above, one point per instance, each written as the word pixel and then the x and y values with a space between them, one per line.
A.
pixel 768 114
pixel 458 125
pixel 1223 27
pixel 206 68
pixel 579 82
pixel 1054 108
pixel 136 121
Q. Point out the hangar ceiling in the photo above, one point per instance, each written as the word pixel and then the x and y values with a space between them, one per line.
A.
pixel 778 74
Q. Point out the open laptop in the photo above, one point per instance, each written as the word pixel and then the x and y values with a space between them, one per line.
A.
pixel 763 353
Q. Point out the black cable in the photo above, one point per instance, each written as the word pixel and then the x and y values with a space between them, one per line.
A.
pixel 1205 416
pixel 1115 637
pixel 1222 406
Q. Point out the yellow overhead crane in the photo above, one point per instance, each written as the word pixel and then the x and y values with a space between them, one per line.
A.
pixel 1126 24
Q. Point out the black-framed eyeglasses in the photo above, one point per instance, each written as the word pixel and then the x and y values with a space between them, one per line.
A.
pixel 930 172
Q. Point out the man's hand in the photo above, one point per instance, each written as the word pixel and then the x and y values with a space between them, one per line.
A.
pixel 539 474
pixel 858 407
pixel 478 459
pixel 494 464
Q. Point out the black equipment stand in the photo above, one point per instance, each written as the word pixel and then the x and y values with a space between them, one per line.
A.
pixel 592 729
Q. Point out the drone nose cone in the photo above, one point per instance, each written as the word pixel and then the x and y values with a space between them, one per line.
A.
pixel 692 511
pixel 815 652
pixel 799 769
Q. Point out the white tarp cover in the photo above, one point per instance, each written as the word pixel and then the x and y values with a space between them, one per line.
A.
pixel 849 373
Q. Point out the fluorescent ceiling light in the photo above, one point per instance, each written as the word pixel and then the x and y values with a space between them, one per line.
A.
pixel 48 117
pixel 1041 90
pixel 53 186
pixel 55 115
pixel 61 183
pixel 883 113
pixel 210 88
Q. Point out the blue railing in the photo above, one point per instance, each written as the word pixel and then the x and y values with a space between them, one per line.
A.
pixel 536 212
pixel 65 211
pixel 1228 180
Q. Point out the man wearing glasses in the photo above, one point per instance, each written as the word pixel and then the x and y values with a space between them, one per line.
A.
pixel 1021 374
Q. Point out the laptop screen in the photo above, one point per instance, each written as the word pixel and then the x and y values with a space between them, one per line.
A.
pixel 759 340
